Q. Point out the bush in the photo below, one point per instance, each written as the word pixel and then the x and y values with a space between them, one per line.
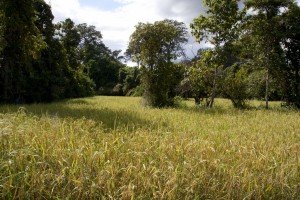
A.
pixel 178 102
pixel 235 85
pixel 158 85
pixel 136 92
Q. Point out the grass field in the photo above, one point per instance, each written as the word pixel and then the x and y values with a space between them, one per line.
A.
pixel 113 148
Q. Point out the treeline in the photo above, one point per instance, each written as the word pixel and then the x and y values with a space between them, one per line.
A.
pixel 42 61
pixel 255 54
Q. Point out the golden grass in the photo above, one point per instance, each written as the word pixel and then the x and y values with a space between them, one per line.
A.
pixel 113 148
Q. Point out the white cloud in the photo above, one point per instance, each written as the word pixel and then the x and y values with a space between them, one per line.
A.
pixel 117 25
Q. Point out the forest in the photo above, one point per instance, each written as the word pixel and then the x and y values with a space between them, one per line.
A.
pixel 254 55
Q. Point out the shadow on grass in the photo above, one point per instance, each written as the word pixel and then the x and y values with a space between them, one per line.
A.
pixel 74 109
pixel 216 110
pixel 112 119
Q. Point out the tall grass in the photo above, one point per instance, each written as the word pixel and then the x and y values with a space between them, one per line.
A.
pixel 113 148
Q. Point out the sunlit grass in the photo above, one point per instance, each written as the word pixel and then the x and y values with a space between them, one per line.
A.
pixel 113 148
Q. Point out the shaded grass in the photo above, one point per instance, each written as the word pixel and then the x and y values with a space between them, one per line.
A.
pixel 111 147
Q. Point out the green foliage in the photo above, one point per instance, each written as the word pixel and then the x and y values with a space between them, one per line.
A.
pixel 136 92
pixel 40 61
pixel 45 62
pixel 129 78
pixel 262 38
pixel 179 102
pixel 290 78
pixel 155 46
pixel 47 79
pixel 235 85
pixel 263 26
pixel 100 64
pixel 23 43
pixel 70 39
pixel 201 77
pixel 220 27
pixel 220 24
pixel 104 72
pixel 2 41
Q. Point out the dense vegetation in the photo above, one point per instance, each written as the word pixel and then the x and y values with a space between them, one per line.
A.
pixel 41 61
pixel 255 54
pixel 155 46
pixel 260 39
pixel 113 148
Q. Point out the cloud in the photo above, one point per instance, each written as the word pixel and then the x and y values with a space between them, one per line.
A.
pixel 118 24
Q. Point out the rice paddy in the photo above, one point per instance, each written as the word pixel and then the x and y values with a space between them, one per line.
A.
pixel 113 148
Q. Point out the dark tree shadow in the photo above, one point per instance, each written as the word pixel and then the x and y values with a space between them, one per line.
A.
pixel 216 110
pixel 109 119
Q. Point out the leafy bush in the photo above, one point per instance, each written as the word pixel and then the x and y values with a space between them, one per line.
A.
pixel 235 85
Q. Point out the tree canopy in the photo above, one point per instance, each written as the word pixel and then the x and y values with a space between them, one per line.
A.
pixel 42 61
pixel 156 46
pixel 254 53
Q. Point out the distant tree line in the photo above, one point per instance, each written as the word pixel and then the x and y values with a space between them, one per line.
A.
pixel 255 54
pixel 42 61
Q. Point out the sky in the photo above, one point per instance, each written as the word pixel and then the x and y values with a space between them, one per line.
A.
pixel 116 19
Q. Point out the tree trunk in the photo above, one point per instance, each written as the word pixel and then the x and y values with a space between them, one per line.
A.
pixel 7 82
pixel 197 100
pixel 297 91
pixel 213 95
pixel 267 88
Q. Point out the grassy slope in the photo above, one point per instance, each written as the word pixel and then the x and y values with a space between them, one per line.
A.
pixel 111 147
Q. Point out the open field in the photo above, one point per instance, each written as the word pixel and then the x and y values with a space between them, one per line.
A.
pixel 113 148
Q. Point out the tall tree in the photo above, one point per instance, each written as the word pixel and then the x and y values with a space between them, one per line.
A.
pixel 99 62
pixel 1 30
pixel 263 26
pixel 156 46
pixel 23 42
pixel 47 80
pixel 220 28
pixel 291 43
pixel 91 45
pixel 70 38
pixel 80 84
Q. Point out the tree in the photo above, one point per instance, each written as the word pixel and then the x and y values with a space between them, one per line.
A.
pixel 91 46
pixel 47 80
pixel 156 46
pixel 2 44
pixel 104 72
pixel 80 83
pixel 263 26
pixel 235 85
pixel 291 43
pixel 70 39
pixel 129 79
pixel 220 28
pixel 202 77
pixel 100 63
pixel 23 42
